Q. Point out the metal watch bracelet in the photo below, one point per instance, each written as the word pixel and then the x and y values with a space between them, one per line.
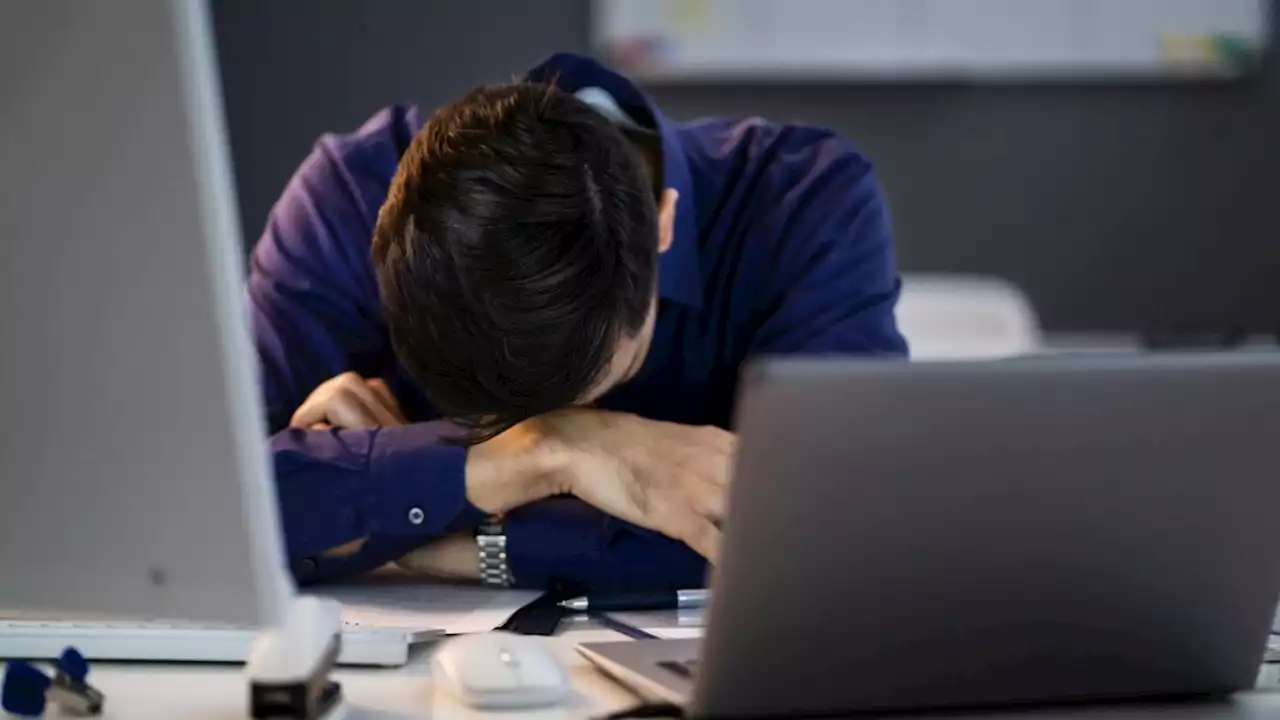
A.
pixel 491 538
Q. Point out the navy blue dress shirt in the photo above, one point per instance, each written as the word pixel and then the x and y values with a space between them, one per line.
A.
pixel 782 246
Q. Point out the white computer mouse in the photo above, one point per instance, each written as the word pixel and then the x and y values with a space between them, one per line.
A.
pixel 500 670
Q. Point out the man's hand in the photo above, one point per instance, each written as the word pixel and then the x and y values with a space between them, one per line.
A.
pixel 349 401
pixel 667 477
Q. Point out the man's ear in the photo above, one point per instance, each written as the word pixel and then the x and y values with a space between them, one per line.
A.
pixel 667 219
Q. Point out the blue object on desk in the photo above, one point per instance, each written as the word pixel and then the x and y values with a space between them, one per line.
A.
pixel 28 691
pixel 69 691
pixel 73 664
pixel 24 689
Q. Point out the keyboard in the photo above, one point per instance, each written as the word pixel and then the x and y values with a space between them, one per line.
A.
pixel 365 641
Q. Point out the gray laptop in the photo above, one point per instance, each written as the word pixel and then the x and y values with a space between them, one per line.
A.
pixel 918 536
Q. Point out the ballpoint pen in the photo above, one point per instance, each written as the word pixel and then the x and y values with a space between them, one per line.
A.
pixel 667 600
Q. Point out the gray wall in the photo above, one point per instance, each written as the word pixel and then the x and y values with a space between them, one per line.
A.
pixel 1115 207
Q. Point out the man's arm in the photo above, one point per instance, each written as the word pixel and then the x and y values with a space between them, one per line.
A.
pixel 564 540
pixel 598 541
pixel 315 316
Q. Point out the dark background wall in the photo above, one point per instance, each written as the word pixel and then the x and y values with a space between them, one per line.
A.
pixel 1115 207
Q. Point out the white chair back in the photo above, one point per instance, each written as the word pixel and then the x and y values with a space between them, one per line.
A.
pixel 955 317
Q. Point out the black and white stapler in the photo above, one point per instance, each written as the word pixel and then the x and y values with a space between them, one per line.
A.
pixel 289 666
pixel 69 690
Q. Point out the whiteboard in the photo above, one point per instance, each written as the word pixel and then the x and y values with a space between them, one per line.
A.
pixel 692 39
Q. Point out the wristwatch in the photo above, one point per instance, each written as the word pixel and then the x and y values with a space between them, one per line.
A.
pixel 491 538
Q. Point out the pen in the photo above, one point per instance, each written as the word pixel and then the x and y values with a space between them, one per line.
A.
pixel 668 600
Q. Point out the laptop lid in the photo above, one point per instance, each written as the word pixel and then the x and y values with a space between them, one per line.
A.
pixel 936 535
pixel 133 457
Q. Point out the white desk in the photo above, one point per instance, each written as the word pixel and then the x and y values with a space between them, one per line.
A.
pixel 200 692
pixel 208 692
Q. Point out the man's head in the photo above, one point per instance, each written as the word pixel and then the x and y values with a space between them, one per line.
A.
pixel 517 253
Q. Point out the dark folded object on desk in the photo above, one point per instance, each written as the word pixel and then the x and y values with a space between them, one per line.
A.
pixel 542 615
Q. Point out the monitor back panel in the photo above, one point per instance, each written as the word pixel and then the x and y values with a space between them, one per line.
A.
pixel 132 458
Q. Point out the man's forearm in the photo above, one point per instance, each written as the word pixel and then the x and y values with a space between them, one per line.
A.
pixel 456 557
pixel 564 539
pixel 520 466
pixel 352 500
pixel 504 473
pixel 622 469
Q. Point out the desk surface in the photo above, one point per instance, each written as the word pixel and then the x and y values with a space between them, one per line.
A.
pixel 207 692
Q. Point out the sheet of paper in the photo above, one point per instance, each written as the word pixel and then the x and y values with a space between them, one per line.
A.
pixel 390 601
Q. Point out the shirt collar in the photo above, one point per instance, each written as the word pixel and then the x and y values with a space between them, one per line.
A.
pixel 678 275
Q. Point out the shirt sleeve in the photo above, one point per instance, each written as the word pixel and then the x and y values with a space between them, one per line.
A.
pixel 315 315
pixel 564 541
pixel 835 285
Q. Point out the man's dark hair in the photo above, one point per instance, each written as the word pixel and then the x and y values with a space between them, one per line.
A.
pixel 517 245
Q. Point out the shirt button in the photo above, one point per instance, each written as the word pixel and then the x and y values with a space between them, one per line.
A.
pixel 308 564
pixel 416 516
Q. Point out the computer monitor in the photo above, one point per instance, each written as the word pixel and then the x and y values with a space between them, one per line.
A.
pixel 132 459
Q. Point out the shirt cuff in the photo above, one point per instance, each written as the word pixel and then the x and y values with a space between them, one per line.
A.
pixel 644 560
pixel 557 541
pixel 417 484
pixel 565 542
